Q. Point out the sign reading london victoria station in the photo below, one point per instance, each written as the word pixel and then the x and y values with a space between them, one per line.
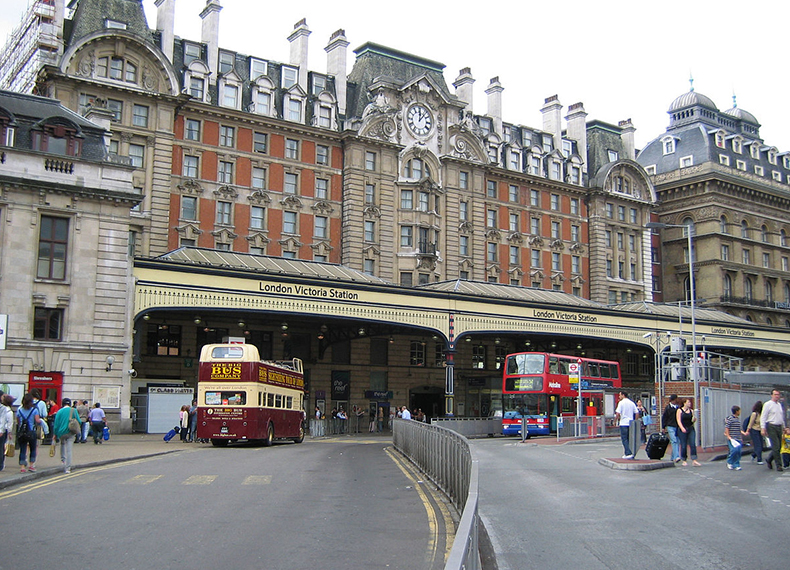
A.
pixel 315 292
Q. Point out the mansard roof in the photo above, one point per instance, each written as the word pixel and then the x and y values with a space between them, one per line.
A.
pixel 91 16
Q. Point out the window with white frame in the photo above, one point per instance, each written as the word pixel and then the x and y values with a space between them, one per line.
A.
pixel 463 246
pixel 191 53
pixel 737 145
pixel 423 201
pixel 556 170
pixel 290 183
pixel 227 136
pixel 755 150
pixel 776 175
pixel 289 222
pixel 514 249
pixel 257 217
pixel 294 110
pixel 320 224
pixel 576 175
pixel 669 146
pixel 290 75
pixel 225 172
pixel 513 225
pixel 720 139
pixel 189 206
pixel 321 188
pixel 491 252
pixel 613 155
pixel 140 116
pixel 491 188
pixel 575 206
pixel 319 84
pixel 783 238
pixel 621 213
pixel 724 159
pixel 321 154
pixel 258 67
pixel 230 96
pixel 260 142
pixel 686 161
pixel 197 87
pixel 491 218
pixel 463 180
pixel 370 193
pixel 370 160
pixel 258 178
pixel 515 160
pixel 224 210
pixel 576 233
pixel 192 130
pixel 324 116
pixel 555 230
pixel 785 264
pixel 370 231
pixel 534 258
pixel 190 169
pixel 534 198
pixel 137 155
pixel 556 261
pixel 513 193
pixel 747 257
pixel 263 102
pixel 758 170
pixel 555 202
pixel 576 264
pixel 534 226
pixel 292 149
pixel 464 211
pixel 406 236
pixel 534 165
pixel 608 238
pixel 226 61
pixel 725 252
pixel 633 215
pixel 407 199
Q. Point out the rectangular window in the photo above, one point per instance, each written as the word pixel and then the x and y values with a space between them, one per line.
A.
pixel 226 61
pixel 260 142
pixel 263 103
pixel 230 96
pixel 416 353
pixel 294 110
pixel 225 172
pixel 320 226
pixel 197 87
pixel 534 198
pixel 747 257
pixel 190 166
pixel 258 178
pixel 490 218
pixel 491 188
pixel 463 180
pixel 479 357
pixel 257 217
pixel 463 245
pixel 621 213
pixel 289 222
pixel 610 211
pixel 258 67
pixel 140 116
pixel 370 160
pixel 192 130
pixel 464 211
pixel 534 258
pixel 513 193
pixel 555 230
pixel 321 154
pixel 117 108
pixel 556 263
pixel 189 208
pixel 785 264
pixel 52 248
pixel 291 183
pixel 48 324
pixel 321 188
pixel 324 116
pixel 534 165
pixel 292 149
pixel 406 199
pixel 227 136
pixel 319 84
pixel 424 199
pixel 575 206
pixel 576 175
pixel 576 264
pixel 290 75
pixel 555 202
pixel 370 231
pixel 137 155
pixel 632 243
pixel 164 340
pixel 609 268
pixel 370 193
pixel 766 260
pixel 406 236
pixel 576 234
pixel 608 238
pixel 491 249
pixel 725 252
pixel 556 171
pixel 191 53
pixel 633 215
pixel 513 226
pixel 620 241
pixel 369 267
pixel 223 213
pixel 514 255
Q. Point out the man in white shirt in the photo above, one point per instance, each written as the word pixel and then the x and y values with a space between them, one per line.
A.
pixel 624 414
pixel 772 423
pixel 405 413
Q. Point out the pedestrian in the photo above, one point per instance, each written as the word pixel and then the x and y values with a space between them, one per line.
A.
pixel 82 410
pixel 645 420
pixel 193 422
pixel 27 440
pixel 60 429
pixel 753 429
pixel 669 421
pixel 183 423
pixel 734 433
pixel 42 413
pixel 687 435
pixel 342 417
pixel 624 414
pixel 772 424
pixel 786 448
pixel 98 420
pixel 6 425
pixel 380 420
pixel 405 413
pixel 393 415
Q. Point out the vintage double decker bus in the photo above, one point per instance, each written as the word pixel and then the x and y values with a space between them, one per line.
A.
pixel 537 386
pixel 242 398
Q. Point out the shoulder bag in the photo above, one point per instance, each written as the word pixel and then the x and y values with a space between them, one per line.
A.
pixel 74 423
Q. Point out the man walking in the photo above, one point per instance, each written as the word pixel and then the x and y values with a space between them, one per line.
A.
pixel 624 414
pixel 734 435
pixel 772 423
pixel 669 421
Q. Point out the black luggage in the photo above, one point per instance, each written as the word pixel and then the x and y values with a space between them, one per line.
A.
pixel 656 445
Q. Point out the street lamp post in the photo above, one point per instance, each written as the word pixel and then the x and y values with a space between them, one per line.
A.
pixel 692 293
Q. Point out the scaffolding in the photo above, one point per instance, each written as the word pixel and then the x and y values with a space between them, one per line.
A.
pixel 36 42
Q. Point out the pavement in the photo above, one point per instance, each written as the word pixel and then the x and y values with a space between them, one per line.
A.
pixel 127 447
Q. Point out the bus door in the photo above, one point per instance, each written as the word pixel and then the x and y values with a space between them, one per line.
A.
pixel 554 411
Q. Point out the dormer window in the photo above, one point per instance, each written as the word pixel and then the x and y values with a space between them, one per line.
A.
pixel 772 156
pixel 295 110
pixel 613 155
pixel 258 67
pixel 230 96
pixel 226 61
pixel 737 146
pixel 262 96
pixel 58 139
pixel 319 84
pixel 547 143
pixel 290 77
pixel 669 146
pixel 786 161
pixel 720 139
pixel 191 53
pixel 515 160
pixel 534 165
pixel 755 150
pixel 114 24
pixel 758 170
pixel 229 87
pixel 485 125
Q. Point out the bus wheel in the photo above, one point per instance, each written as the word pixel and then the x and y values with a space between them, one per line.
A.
pixel 269 436
pixel 300 439
pixel 219 442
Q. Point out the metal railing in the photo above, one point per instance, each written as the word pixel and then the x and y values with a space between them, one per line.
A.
pixel 447 459
pixel 471 427
pixel 335 426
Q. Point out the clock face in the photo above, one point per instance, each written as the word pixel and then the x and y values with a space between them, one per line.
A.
pixel 419 119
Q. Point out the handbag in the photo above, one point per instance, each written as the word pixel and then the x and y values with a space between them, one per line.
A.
pixel 74 424
pixel 9 449
pixel 52 448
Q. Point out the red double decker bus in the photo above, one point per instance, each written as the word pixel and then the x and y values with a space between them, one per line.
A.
pixel 537 386
pixel 242 398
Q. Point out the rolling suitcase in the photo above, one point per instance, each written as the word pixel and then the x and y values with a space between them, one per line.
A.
pixel 172 433
pixel 656 445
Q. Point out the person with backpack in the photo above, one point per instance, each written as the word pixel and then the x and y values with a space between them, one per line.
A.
pixel 6 424
pixel 27 418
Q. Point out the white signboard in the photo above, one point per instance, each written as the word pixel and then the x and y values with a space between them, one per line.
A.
pixel 3 330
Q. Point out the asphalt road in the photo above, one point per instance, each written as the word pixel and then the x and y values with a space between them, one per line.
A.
pixel 555 507
pixel 333 504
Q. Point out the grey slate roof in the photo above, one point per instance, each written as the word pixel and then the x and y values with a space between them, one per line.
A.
pixel 91 15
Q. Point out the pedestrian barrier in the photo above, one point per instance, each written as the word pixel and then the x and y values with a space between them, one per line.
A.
pixel 334 426
pixel 471 427
pixel 447 459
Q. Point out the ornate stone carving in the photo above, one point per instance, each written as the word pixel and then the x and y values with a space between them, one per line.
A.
pixel 535 240
pixel 515 237
pixel 466 227
pixel 149 80
pixel 259 197
pixel 557 244
pixel 190 186
pixel 322 207
pixel 427 263
pixel 291 202
pixel 493 235
pixel 226 192
pixel 371 211
pixel 87 64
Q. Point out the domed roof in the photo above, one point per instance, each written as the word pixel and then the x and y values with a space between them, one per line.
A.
pixel 692 99
pixel 745 116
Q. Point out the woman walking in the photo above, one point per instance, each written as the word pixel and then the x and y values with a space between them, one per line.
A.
pixel 60 427
pixel 6 425
pixel 686 434
pixel 183 421
pixel 753 429
pixel 27 418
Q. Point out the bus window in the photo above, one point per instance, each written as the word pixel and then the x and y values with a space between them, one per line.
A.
pixel 568 405
pixel 565 365
pixel 592 370
pixel 227 352
pixel 525 364
pixel 606 370
pixel 289 402
pixel 554 366
pixel 278 401
pixel 226 398
pixel 270 400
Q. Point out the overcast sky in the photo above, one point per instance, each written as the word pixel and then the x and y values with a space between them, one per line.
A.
pixel 622 59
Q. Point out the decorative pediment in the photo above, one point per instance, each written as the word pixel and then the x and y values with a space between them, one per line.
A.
pixel 577 279
pixel 537 274
pixel 515 237
pixel 290 243
pixel 576 247
pixel 188 231
pixel 466 264
pixel 224 234
pixel 516 273
pixel 258 239
pixel 427 263
pixel 322 247
pixel 322 207
pixel 259 197
pixel 371 211
pixel 190 186
pixel 371 250
pixel 535 240
pixel 226 192
pixel 558 277
pixel 380 119
pixel 493 270
pixel 291 202
pixel 466 227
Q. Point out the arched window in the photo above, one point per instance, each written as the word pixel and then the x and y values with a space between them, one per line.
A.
pixel 747 289
pixel 769 292
pixel 764 233
pixel 687 223
pixel 783 238
pixel 416 168
pixel 787 293
pixel 727 286
pixel 769 322
pixel 687 289
pixel 744 229
pixel 723 225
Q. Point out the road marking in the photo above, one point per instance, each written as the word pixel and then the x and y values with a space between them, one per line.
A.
pixel 257 480
pixel 141 479
pixel 200 480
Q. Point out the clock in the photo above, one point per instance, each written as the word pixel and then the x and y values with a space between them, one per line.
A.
pixel 419 120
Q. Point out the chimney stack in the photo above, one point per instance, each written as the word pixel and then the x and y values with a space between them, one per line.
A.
pixel 60 16
pixel 577 130
pixel 494 93
pixel 463 88
pixel 552 119
pixel 298 39
pixel 336 61
pixel 165 24
pixel 627 136
pixel 210 33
